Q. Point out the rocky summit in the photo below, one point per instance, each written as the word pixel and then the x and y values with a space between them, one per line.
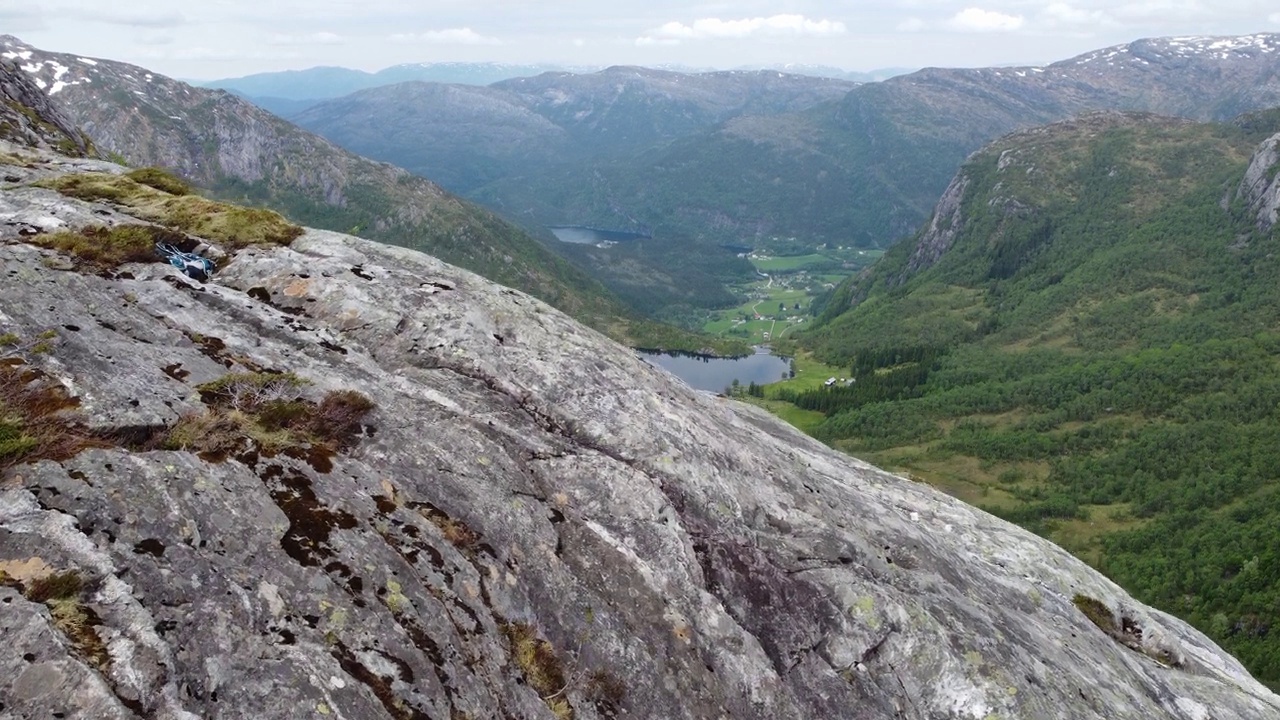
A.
pixel 340 479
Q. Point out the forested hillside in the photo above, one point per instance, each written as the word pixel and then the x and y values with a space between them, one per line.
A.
pixel 1086 340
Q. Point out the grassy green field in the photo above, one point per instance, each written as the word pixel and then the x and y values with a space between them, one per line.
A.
pixel 782 264
pixel 777 302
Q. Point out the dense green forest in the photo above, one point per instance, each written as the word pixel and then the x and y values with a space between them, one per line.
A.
pixel 1096 357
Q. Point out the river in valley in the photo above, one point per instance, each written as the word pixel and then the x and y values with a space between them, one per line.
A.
pixel 715 374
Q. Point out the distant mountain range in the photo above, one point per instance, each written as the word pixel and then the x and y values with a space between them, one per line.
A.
pixel 293 90
pixel 700 160
pixel 239 151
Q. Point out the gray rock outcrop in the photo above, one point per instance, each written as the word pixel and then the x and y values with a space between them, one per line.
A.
pixel 1260 187
pixel 532 523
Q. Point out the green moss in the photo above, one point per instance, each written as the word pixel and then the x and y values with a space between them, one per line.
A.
pixel 102 248
pixel 160 180
pixel 540 666
pixel 1097 612
pixel 231 226
pixel 268 411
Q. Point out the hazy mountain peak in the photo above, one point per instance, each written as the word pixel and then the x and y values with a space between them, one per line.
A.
pixel 1150 50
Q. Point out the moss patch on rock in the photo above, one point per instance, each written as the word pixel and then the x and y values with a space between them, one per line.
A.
pixel 160 180
pixel 270 411
pixel 165 200
pixel 1124 630
pixel 63 594
pixel 35 418
pixel 540 666
pixel 107 248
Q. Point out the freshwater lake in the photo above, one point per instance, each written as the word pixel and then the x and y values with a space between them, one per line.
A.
pixel 590 236
pixel 715 374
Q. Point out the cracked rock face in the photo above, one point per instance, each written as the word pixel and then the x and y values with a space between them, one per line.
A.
pixel 1260 187
pixel 528 503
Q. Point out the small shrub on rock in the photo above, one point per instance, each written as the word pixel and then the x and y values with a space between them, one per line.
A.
pixel 269 410
pixel 248 392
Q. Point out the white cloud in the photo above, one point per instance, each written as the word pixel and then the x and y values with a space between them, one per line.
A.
pixel 316 38
pixel 450 36
pixel 911 24
pixel 134 17
pixel 19 19
pixel 1162 10
pixel 1274 18
pixel 157 38
pixel 715 28
pixel 979 20
pixel 1060 13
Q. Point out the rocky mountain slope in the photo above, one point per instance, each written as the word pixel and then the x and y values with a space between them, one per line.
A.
pixel 1082 339
pixel 28 118
pixel 348 479
pixel 224 143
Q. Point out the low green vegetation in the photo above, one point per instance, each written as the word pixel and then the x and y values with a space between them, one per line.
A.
pixel 106 248
pixel 160 180
pixel 63 593
pixel 1099 365
pixel 36 421
pixel 270 411
pixel 154 196
pixel 541 667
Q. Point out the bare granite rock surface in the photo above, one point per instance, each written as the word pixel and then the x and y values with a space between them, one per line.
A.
pixel 677 555
pixel 1260 188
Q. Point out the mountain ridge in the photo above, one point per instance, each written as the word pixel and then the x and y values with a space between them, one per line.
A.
pixel 863 169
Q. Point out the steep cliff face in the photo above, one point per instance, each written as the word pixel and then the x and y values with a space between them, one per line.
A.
pixel 28 118
pixel 531 521
pixel 1260 187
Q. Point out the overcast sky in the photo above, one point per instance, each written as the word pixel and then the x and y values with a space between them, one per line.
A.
pixel 224 38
